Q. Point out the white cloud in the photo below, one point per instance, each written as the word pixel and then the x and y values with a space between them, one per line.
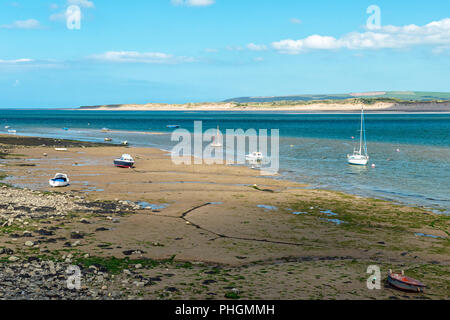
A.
pixel 295 21
pixel 141 57
pixel 15 61
pixel 436 33
pixel 22 24
pixel 62 16
pixel 256 47
pixel 82 3
pixel 234 48
pixel 193 3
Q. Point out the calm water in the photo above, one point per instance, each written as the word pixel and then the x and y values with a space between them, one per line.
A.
pixel 313 147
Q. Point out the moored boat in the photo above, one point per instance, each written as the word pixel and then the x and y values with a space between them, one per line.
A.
pixel 216 140
pixel 125 161
pixel 60 180
pixel 172 126
pixel 402 282
pixel 254 156
pixel 108 139
pixel 360 157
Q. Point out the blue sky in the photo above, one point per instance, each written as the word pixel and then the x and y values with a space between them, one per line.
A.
pixel 178 51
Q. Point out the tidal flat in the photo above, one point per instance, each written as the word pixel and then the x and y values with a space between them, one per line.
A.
pixel 206 235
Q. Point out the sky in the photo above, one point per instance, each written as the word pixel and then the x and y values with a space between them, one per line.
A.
pixel 68 53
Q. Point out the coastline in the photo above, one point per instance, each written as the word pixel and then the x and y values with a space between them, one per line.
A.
pixel 209 220
pixel 309 107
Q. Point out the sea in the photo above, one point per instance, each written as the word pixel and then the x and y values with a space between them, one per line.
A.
pixel 410 152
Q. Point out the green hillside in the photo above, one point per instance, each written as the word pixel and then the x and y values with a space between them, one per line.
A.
pixel 395 96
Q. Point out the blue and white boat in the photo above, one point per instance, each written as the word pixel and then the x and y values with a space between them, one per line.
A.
pixel 125 161
pixel 60 180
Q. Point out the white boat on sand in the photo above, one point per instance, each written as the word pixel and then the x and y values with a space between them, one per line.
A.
pixel 126 161
pixel 360 156
pixel 60 180
pixel 254 156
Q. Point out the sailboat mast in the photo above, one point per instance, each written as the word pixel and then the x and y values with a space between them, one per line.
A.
pixel 361 131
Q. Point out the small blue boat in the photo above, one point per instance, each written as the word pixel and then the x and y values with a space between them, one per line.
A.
pixel 172 126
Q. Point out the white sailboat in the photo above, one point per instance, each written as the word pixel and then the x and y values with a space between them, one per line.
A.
pixel 216 143
pixel 360 157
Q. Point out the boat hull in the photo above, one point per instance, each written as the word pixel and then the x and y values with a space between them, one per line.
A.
pixel 358 160
pixel 58 183
pixel 405 286
pixel 123 163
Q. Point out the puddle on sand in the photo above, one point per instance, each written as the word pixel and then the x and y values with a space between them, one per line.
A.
pixel 329 213
pixel 266 207
pixel 146 205
pixel 296 212
pixel 335 221
pixel 420 234
pixel 91 189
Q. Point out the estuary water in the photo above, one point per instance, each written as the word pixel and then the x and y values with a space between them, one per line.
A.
pixel 411 152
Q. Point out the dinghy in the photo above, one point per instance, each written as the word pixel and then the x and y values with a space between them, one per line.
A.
pixel 108 139
pixel 60 180
pixel 402 282
pixel 12 131
pixel 125 161
pixel 172 126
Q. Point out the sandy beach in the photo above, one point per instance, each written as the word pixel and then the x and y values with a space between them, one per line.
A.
pixel 165 231
pixel 308 107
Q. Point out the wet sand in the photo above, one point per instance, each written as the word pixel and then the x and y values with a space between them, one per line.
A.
pixel 213 224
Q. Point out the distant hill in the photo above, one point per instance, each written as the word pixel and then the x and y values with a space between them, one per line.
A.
pixel 399 96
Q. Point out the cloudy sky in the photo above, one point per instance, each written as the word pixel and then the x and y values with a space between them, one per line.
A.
pixel 179 51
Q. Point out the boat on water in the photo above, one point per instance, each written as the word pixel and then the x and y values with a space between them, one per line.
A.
pixel 60 180
pixel 402 282
pixel 7 127
pixel 12 131
pixel 216 140
pixel 105 130
pixel 108 139
pixel 172 126
pixel 125 161
pixel 360 156
pixel 254 156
